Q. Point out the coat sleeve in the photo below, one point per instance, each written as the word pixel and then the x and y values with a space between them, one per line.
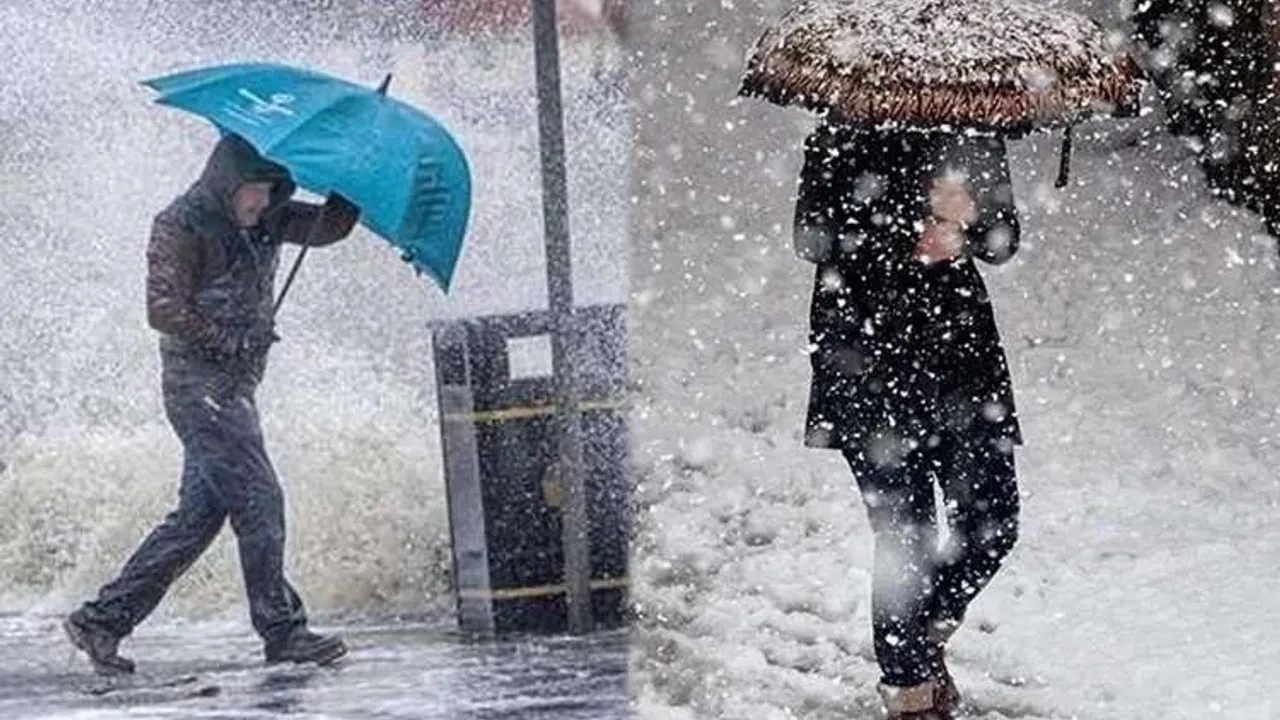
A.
pixel 293 222
pixel 844 192
pixel 172 267
pixel 994 237
pixel 816 222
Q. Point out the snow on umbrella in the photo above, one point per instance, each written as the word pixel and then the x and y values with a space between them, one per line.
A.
pixel 1006 65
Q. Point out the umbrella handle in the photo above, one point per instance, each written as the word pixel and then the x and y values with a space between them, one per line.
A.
pixel 1064 162
pixel 302 254
pixel 292 273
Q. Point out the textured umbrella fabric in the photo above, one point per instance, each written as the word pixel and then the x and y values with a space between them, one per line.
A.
pixel 982 63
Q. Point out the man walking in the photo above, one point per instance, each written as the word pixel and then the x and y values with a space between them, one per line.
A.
pixel 212 263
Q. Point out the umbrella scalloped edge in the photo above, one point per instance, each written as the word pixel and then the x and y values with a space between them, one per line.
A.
pixel 809 60
pixel 780 80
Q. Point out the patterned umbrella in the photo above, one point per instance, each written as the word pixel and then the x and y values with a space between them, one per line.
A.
pixel 1004 65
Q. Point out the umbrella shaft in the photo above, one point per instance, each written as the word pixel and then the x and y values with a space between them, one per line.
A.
pixel 289 281
pixel 302 254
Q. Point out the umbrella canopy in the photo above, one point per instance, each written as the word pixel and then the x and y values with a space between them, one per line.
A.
pixel 404 171
pixel 1000 64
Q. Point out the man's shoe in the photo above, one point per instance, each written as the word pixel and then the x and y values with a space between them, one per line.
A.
pixel 304 646
pixel 100 644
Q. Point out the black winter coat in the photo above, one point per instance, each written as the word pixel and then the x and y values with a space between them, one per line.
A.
pixel 902 352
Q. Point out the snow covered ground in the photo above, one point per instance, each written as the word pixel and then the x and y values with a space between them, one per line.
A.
pixel 1140 317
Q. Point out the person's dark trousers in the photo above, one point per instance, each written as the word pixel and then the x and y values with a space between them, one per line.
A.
pixel 914 582
pixel 226 474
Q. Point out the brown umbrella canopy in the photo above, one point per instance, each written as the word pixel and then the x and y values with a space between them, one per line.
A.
pixel 1010 64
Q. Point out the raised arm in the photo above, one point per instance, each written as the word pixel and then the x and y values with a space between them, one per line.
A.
pixel 293 222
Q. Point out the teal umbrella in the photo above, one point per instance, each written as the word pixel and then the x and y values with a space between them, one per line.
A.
pixel 404 171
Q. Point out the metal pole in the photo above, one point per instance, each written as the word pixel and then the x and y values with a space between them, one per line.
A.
pixel 555 218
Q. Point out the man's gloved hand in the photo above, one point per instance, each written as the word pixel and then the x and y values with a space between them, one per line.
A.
pixel 341 207
pixel 340 212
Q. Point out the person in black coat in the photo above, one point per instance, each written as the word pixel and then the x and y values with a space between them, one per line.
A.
pixel 909 379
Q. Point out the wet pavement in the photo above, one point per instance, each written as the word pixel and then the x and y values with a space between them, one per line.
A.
pixel 411 670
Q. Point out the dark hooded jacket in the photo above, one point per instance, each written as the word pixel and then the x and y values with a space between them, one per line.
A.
pixel 210 284
pixel 902 351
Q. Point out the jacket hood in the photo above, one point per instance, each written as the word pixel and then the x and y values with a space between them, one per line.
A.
pixel 235 162
pixel 207 207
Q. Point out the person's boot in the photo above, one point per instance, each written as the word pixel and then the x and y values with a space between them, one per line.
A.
pixel 916 702
pixel 304 646
pixel 940 632
pixel 100 644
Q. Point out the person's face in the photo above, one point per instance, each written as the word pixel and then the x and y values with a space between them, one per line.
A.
pixel 950 200
pixel 250 202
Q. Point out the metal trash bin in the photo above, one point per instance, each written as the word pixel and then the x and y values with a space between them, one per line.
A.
pixel 494 378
